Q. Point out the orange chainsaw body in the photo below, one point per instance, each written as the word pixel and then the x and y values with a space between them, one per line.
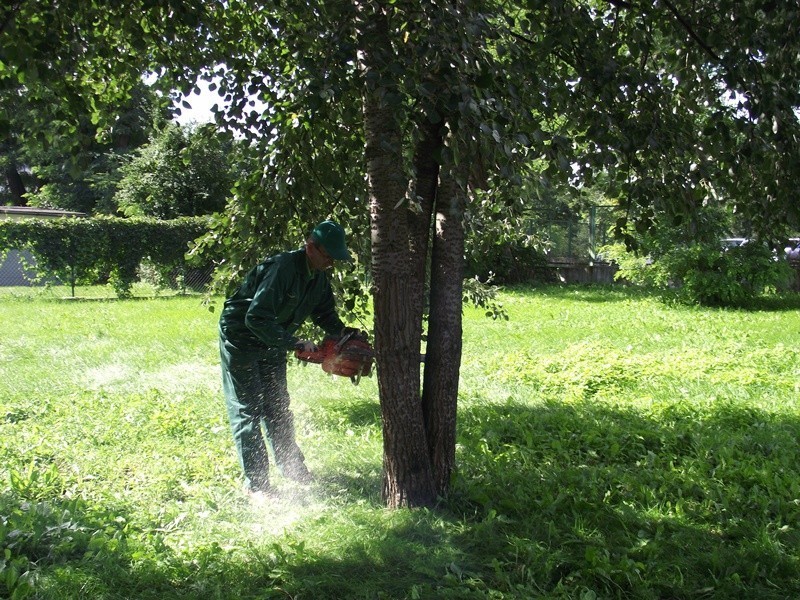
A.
pixel 348 356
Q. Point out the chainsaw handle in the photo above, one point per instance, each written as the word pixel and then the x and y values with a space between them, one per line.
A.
pixel 343 340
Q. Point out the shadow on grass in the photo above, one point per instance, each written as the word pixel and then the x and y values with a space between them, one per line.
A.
pixel 557 501
pixel 63 295
pixel 589 292
pixel 784 302
pixel 115 299
pixel 609 293
pixel 360 414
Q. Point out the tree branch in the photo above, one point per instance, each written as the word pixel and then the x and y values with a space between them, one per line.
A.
pixel 688 27
pixel 8 15
pixel 683 22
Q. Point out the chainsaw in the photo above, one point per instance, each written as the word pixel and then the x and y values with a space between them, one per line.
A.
pixel 349 355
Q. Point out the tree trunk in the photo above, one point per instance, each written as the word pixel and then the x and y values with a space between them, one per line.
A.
pixel 16 186
pixel 443 352
pixel 423 192
pixel 407 473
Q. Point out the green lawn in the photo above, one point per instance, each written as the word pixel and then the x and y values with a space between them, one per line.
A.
pixel 610 446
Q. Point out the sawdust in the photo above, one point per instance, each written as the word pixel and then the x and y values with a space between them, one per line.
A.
pixel 171 378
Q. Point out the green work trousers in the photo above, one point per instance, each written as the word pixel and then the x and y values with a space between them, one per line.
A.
pixel 254 385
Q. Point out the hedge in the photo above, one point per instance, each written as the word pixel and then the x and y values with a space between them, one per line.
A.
pixel 97 249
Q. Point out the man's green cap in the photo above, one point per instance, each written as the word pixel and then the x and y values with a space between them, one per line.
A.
pixel 330 236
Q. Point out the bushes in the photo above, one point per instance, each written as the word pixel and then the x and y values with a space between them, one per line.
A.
pixel 87 251
pixel 182 171
pixel 505 262
pixel 705 273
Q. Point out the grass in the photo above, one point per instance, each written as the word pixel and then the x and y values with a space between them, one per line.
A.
pixel 609 447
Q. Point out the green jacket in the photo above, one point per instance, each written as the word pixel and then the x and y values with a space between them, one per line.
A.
pixel 275 298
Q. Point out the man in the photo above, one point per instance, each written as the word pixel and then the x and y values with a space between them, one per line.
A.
pixel 256 330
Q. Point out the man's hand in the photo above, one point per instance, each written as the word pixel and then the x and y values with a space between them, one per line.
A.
pixel 306 346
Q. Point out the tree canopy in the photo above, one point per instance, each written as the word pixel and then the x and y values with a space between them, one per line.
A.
pixel 670 104
pixel 183 171
pixel 71 88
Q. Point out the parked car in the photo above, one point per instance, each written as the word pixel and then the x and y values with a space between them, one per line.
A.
pixel 728 243
pixel 792 250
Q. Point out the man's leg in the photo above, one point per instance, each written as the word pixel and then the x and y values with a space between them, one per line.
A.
pixel 279 422
pixel 244 401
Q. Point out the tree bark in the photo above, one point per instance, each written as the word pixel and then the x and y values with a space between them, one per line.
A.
pixel 423 190
pixel 16 186
pixel 407 473
pixel 443 351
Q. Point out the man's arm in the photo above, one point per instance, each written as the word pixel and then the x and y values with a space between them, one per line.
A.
pixel 324 314
pixel 262 316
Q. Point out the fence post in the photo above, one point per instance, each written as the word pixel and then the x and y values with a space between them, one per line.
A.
pixel 569 239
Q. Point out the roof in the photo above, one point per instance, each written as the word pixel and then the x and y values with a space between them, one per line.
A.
pixel 35 211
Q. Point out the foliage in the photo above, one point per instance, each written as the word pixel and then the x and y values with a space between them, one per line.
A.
pixel 700 99
pixel 715 277
pixel 499 244
pixel 633 267
pixel 595 460
pixel 78 250
pixel 705 273
pixel 83 176
pixel 506 261
pixel 351 290
pixel 666 108
pixel 42 42
pixel 693 265
pixel 181 172
pixel 484 295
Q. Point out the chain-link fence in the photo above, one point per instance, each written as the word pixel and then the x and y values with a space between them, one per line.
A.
pixel 578 239
pixel 572 246
pixel 14 269
pixel 18 269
